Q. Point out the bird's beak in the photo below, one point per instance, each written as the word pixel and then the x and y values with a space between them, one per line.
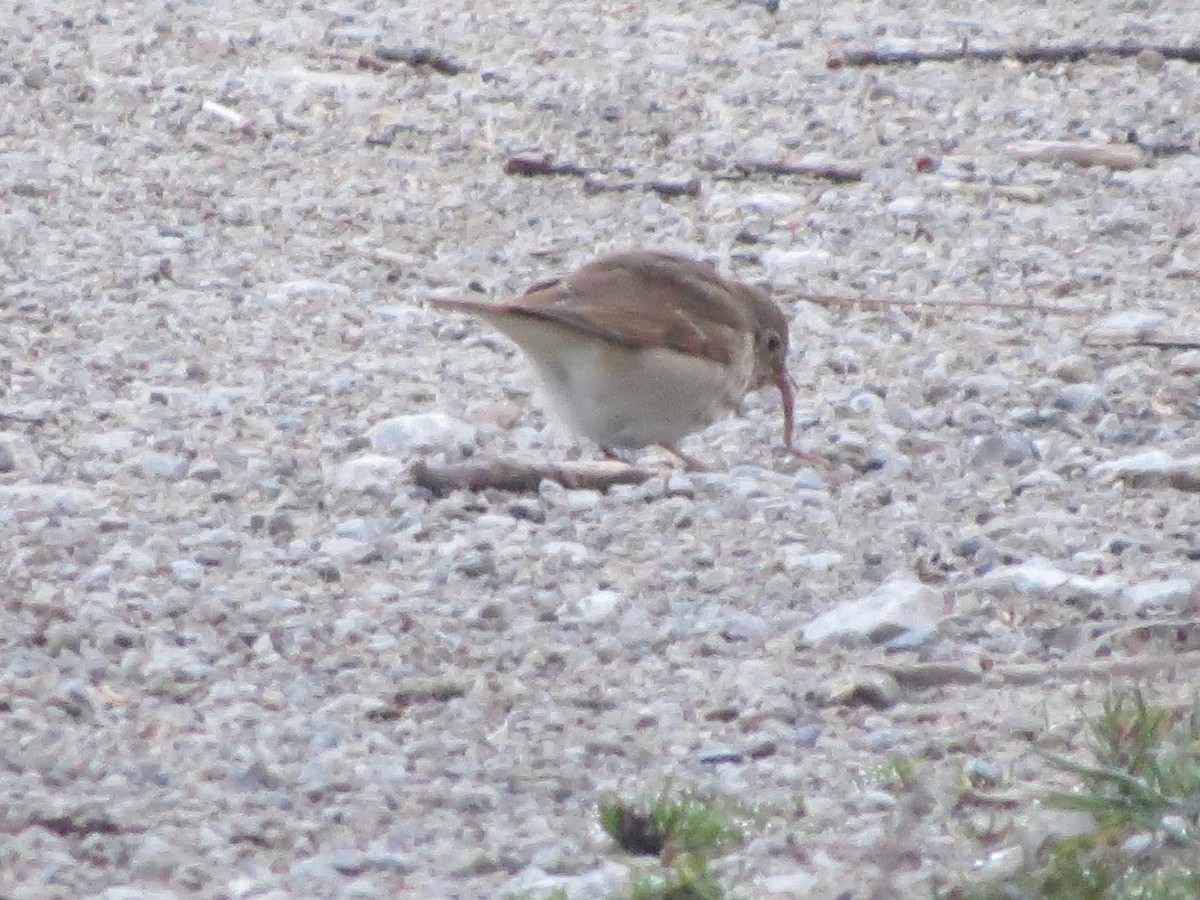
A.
pixel 785 384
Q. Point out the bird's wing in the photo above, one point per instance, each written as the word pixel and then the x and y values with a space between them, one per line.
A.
pixel 647 300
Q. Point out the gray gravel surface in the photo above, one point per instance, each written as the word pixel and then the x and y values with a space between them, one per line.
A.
pixel 242 656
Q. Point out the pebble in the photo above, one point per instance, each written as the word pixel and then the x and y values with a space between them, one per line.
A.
pixel 1172 595
pixel 370 473
pixel 598 606
pixel 1153 468
pixel 899 604
pixel 790 884
pixel 1081 397
pixel 1009 449
pixel 744 626
pixel 167 466
pixel 1040 578
pixel 414 435
pixel 187 573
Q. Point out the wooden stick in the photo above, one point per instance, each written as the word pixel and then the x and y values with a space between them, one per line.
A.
pixel 871 302
pixel 420 57
pixel 1084 153
pixel 1067 53
pixel 927 675
pixel 835 172
pixel 530 164
pixel 507 475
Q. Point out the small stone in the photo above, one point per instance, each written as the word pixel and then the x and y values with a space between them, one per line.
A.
pixel 899 604
pixel 8 460
pixel 1151 60
pixel 280 526
pixel 568 553
pixel 476 563
pixel 1141 844
pixel 407 436
pixel 373 474
pixel 744 626
pixel 528 510
pixel 35 77
pixel 1041 578
pixel 167 466
pixel 1154 468
pixel 982 773
pixel 800 558
pixel 1173 595
pixel 715 755
pixel 1079 398
pixel 867 687
pixel 1001 865
pixel 880 740
pixel 155 858
pixel 1186 363
pixel 791 884
pixel 680 485
pixel 876 801
pixel 206 472
pixel 1073 369
pixel 1127 327
pixel 187 573
pixel 1009 449
pixel 598 606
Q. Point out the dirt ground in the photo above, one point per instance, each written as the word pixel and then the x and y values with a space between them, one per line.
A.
pixel 242 655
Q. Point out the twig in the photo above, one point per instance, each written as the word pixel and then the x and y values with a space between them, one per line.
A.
pixel 1181 344
pixel 1114 156
pixel 870 302
pixel 530 164
pixel 829 171
pixel 1067 53
pixel 228 114
pixel 928 675
pixel 506 475
pixel 421 57
pixel 664 187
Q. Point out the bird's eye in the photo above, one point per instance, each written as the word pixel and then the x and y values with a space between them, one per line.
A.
pixel 774 343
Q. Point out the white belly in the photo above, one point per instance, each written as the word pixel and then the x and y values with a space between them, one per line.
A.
pixel 621 397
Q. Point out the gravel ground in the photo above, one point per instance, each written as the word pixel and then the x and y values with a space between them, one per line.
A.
pixel 242 656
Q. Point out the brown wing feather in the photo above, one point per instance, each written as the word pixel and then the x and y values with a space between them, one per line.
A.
pixel 647 300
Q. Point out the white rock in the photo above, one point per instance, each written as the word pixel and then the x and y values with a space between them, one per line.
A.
pixel 791 884
pixel 167 466
pixel 899 604
pixel 1041 578
pixel 1154 468
pixel 111 443
pixel 906 206
pixel 1127 326
pixel 413 435
pixel 780 261
pixel 567 552
pixel 188 573
pixel 1173 594
pixel 797 558
pixel 598 606
pixel 1187 363
pixel 371 472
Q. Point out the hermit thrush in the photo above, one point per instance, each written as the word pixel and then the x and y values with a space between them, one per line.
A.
pixel 644 348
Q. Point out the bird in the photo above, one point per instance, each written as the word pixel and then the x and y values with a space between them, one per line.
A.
pixel 643 348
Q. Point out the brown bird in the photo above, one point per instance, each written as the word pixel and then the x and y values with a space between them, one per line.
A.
pixel 644 348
